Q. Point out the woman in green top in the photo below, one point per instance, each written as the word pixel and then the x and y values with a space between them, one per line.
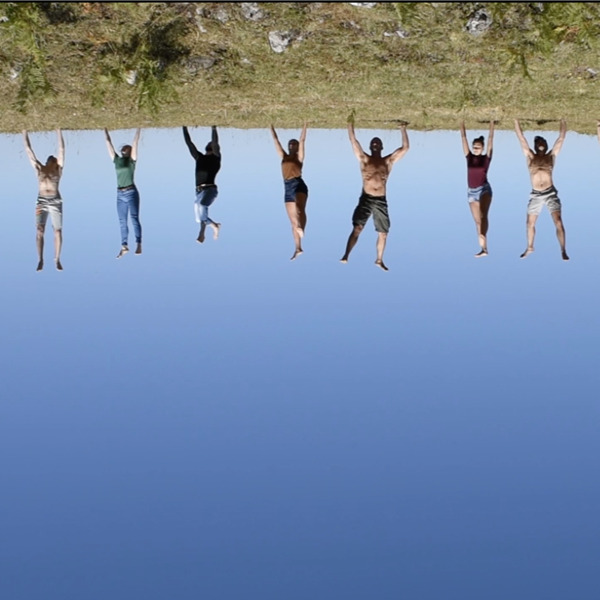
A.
pixel 128 197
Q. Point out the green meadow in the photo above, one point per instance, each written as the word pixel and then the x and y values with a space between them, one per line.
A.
pixel 88 65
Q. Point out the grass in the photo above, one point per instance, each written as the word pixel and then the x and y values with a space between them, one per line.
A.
pixel 73 61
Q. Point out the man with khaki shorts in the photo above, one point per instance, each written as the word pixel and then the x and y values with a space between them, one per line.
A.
pixel 375 170
pixel 49 201
pixel 543 193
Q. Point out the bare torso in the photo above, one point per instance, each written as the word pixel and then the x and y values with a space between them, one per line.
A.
pixel 375 171
pixel 48 179
pixel 291 167
pixel 540 169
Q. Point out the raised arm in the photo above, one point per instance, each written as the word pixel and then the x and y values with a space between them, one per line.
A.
pixel 134 146
pixel 214 141
pixel 463 136
pixel 400 152
pixel 358 151
pixel 524 145
pixel 61 148
pixel 278 146
pixel 109 145
pixel 561 138
pixel 35 163
pixel 301 144
pixel 188 140
pixel 598 128
pixel 490 144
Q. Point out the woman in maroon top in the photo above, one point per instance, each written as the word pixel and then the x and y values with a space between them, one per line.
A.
pixel 479 190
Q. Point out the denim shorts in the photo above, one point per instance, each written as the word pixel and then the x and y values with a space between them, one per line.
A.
pixel 294 186
pixel 474 194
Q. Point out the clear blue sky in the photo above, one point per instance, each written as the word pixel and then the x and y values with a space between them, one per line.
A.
pixel 214 421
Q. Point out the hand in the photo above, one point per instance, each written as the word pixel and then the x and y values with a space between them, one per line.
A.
pixel 351 116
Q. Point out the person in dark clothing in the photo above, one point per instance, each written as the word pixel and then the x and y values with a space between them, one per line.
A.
pixel 128 197
pixel 479 190
pixel 207 167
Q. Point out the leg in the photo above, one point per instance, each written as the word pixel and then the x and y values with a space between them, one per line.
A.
pixel 123 213
pixel 134 211
pixel 531 219
pixel 381 218
pixel 352 239
pixel 301 199
pixel 381 240
pixel 203 200
pixel 292 212
pixel 201 235
pixel 39 242
pixel 476 212
pixel 484 206
pixel 560 232
pixel 57 248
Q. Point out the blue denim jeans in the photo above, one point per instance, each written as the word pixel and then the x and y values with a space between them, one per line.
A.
pixel 204 198
pixel 128 204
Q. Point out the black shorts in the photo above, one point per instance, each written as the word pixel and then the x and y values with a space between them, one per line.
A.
pixel 375 205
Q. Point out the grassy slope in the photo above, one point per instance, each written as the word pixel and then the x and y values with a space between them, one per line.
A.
pixel 432 79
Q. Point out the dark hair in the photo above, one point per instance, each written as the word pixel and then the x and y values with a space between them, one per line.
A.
pixel 539 139
pixel 479 140
pixel 208 147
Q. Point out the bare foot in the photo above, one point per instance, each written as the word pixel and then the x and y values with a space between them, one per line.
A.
pixel 138 249
pixel 59 267
pixel 40 265
pixel 380 264
pixel 201 238
pixel 564 255
pixel 216 227
pixel 297 254
pixel 482 253
pixel 527 253
pixel 124 251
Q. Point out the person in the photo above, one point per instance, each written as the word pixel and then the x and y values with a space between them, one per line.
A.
pixel 128 196
pixel 207 167
pixel 49 200
pixel 541 163
pixel 375 170
pixel 479 193
pixel 296 191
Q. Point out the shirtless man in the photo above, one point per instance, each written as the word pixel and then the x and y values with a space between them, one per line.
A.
pixel 540 164
pixel 375 170
pixel 49 201
pixel 207 167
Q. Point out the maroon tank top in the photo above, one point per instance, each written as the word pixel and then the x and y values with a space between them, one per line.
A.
pixel 477 168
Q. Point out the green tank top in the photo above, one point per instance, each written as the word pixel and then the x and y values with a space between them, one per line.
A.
pixel 125 168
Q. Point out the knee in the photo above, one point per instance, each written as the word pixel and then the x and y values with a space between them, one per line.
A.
pixel 357 229
pixel 40 232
